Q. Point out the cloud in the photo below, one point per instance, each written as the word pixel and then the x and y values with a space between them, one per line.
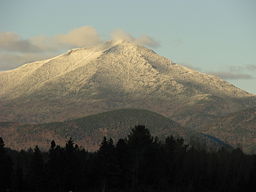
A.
pixel 231 76
pixel 12 42
pixel 81 37
pixel 251 67
pixel 147 41
pixel 11 61
pixel 243 68
pixel 190 66
pixel 236 72
pixel 236 68
pixel 121 35
pixel 14 50
pixel 144 40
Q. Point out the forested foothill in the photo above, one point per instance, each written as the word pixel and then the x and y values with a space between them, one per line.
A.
pixel 138 162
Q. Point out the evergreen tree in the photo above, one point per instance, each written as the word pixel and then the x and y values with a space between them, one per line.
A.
pixel 139 142
pixel 109 168
pixel 55 167
pixel 6 167
pixel 72 165
pixel 136 163
pixel 124 161
pixel 37 171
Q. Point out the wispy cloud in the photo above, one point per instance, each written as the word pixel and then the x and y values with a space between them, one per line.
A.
pixel 142 40
pixel 251 67
pixel 81 37
pixel 231 76
pixel 190 66
pixel 243 68
pixel 11 60
pixel 12 42
pixel 15 51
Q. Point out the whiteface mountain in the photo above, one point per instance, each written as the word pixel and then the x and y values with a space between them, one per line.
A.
pixel 115 75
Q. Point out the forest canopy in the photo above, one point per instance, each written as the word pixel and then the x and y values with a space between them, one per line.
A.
pixel 138 162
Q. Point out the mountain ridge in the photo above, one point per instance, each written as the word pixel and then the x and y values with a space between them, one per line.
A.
pixel 114 75
pixel 83 56
pixel 117 75
pixel 90 130
pixel 237 129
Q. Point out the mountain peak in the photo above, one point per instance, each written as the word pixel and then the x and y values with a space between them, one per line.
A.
pixel 122 41
pixel 109 76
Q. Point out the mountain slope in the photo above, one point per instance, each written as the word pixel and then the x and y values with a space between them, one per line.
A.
pixel 89 131
pixel 114 75
pixel 237 128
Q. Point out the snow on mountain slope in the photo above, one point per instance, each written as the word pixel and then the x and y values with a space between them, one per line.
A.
pixel 114 75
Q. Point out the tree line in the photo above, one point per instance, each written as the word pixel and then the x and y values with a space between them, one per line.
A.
pixel 139 162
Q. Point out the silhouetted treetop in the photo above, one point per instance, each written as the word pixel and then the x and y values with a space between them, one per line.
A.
pixel 140 136
pixel 138 162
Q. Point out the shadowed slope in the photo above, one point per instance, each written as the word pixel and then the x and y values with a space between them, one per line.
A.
pixel 90 130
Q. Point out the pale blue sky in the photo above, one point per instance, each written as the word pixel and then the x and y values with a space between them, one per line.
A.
pixel 216 36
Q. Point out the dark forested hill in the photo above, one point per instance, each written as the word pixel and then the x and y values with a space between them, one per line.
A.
pixel 139 162
pixel 88 131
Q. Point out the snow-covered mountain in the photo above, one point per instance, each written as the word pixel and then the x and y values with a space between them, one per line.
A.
pixel 114 75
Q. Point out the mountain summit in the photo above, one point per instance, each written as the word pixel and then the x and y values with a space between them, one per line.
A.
pixel 114 75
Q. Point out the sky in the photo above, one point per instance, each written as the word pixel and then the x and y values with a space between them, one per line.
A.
pixel 213 36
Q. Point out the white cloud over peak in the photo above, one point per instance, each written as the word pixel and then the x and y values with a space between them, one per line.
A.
pixel 81 37
pixel 14 50
pixel 144 40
